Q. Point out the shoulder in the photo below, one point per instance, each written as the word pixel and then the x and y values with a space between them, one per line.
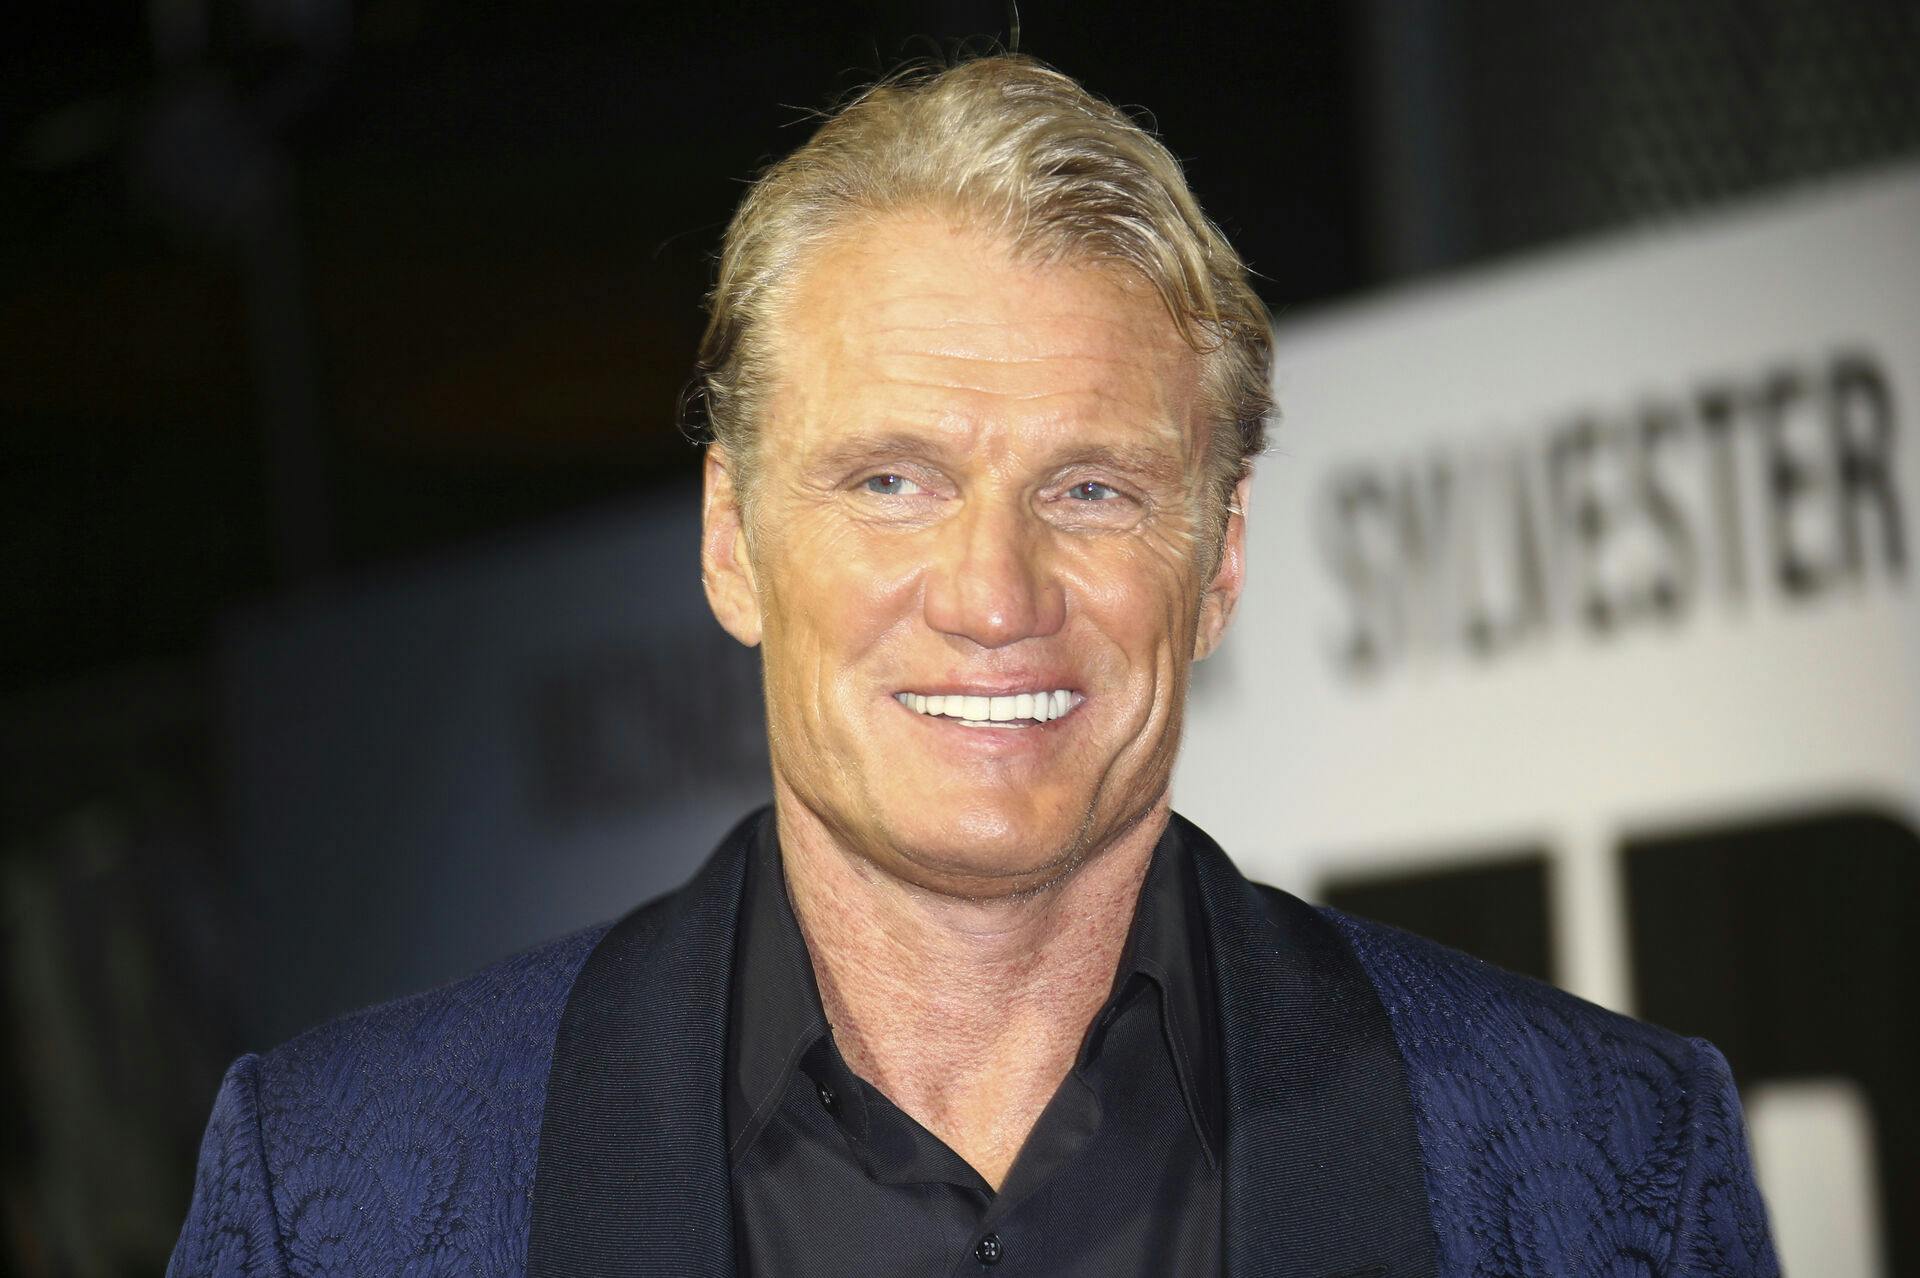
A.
pixel 405 1138
pixel 413 1127
pixel 1443 1002
pixel 1558 1134
pixel 497 1020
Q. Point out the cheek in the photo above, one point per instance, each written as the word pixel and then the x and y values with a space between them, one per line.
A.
pixel 1139 592
pixel 833 594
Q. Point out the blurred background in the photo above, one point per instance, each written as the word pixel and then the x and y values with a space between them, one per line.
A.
pixel 352 629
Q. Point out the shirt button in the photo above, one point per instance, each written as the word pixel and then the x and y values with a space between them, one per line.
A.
pixel 827 1099
pixel 988 1250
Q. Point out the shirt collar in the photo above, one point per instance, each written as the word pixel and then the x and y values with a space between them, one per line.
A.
pixel 775 1016
pixel 1166 946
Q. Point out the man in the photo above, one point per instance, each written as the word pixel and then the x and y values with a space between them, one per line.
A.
pixel 984 385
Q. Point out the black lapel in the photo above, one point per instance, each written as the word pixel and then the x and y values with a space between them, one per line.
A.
pixel 632 1172
pixel 1324 1174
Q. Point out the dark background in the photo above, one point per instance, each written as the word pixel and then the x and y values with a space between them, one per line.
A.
pixel 297 295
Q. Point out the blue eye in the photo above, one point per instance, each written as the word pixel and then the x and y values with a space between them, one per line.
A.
pixel 890 485
pixel 1092 490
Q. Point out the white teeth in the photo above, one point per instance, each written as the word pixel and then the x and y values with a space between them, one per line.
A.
pixel 1021 707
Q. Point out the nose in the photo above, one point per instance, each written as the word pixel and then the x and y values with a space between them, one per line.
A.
pixel 990 583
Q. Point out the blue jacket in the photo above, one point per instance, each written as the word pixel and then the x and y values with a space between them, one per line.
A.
pixel 1393 1108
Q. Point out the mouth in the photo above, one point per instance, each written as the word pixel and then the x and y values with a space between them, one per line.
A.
pixel 1011 711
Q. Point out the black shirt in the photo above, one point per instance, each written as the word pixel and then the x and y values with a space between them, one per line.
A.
pixel 1120 1176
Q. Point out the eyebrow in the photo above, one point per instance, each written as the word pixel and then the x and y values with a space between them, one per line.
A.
pixel 847 453
pixel 1147 463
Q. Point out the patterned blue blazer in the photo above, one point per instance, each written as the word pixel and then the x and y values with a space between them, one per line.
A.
pixel 1394 1110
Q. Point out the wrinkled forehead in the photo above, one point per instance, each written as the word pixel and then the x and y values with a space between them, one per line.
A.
pixel 918 314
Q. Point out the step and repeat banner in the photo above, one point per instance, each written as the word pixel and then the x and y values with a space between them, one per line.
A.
pixel 1582 631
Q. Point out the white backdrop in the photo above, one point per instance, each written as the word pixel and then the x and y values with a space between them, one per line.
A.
pixel 1600 541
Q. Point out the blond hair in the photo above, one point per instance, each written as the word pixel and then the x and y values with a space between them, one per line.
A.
pixel 1019 150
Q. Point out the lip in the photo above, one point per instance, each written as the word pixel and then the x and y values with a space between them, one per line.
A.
pixel 999 741
pixel 951 734
pixel 994 688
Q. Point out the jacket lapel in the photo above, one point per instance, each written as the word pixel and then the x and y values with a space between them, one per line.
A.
pixel 1323 1167
pixel 632 1172
pixel 1324 1175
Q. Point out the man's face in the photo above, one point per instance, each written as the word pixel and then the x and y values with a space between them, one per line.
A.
pixel 978 554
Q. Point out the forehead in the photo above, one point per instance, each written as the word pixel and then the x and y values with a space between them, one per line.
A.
pixel 917 320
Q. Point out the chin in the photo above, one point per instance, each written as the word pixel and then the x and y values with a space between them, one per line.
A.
pixel 985 842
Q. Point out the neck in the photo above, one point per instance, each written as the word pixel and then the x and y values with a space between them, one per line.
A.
pixel 966 1011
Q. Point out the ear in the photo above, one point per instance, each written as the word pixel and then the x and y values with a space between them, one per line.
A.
pixel 726 569
pixel 1223 592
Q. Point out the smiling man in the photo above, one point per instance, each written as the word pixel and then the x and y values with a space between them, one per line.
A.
pixel 984 386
